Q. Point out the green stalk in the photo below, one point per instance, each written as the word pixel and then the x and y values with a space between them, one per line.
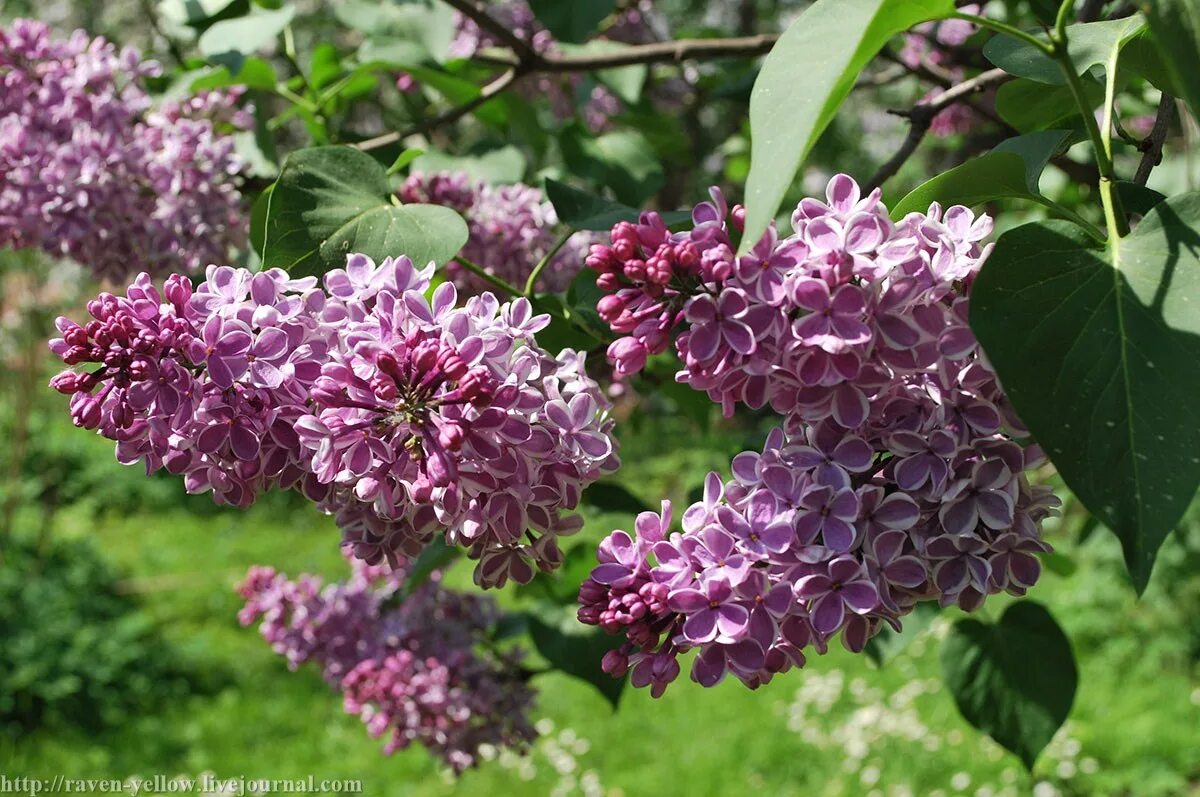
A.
pixel 537 270
pixel 483 274
pixel 1008 30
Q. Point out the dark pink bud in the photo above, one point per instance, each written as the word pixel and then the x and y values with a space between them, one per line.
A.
pixel 608 282
pixel 66 383
pixel 615 663
pixel 178 290
pixel 609 307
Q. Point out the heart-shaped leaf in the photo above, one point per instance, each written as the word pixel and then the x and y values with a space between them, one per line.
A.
pixel 804 79
pixel 1014 680
pixel 1090 44
pixel 1011 170
pixel 1099 352
pixel 331 201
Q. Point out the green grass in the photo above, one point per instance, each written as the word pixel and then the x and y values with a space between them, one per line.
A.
pixel 838 727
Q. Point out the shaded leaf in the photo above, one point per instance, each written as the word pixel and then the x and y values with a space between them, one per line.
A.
pixel 583 210
pixel 1014 680
pixel 623 160
pixel 572 21
pixel 578 653
pixel 609 496
pixel 1137 199
pixel 331 201
pixel 497 166
pixel 1175 25
pixel 806 76
pixel 435 556
pixel 627 81
pixel 1106 367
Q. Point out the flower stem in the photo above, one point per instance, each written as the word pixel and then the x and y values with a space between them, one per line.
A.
pixel 1006 29
pixel 545 261
pixel 486 276
pixel 1101 140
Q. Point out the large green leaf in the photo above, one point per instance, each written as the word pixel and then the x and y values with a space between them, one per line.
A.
pixel 331 201
pixel 1014 680
pixel 575 649
pixel 1011 170
pixel 571 20
pixel 1028 105
pixel 1099 352
pixel 804 79
pixel 622 160
pixel 582 210
pixel 1090 44
pixel 229 42
pixel 1175 25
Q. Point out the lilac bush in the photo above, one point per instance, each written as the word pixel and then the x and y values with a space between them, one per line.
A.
pixel 512 227
pixel 398 414
pixel 894 477
pixel 97 173
pixel 415 668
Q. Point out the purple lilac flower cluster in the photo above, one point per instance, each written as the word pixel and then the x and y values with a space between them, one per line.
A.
pixel 396 413
pixel 893 478
pixel 414 670
pixel 512 227
pixel 94 172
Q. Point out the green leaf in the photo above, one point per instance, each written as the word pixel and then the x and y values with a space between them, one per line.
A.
pixel 1011 170
pixel 609 496
pixel 331 201
pixel 434 556
pixel 576 650
pixel 325 65
pixel 626 81
pixel 561 586
pixel 404 159
pixel 1029 105
pixel 623 160
pixel 1143 57
pixel 1089 44
pixel 583 210
pixel 572 21
pixel 804 79
pixel 428 27
pixel 254 73
pixel 229 42
pixel 1098 350
pixel 200 14
pixel 884 646
pixel 1014 680
pixel 258 220
pixel 1175 25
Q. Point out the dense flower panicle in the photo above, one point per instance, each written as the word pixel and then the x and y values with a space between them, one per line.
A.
pixel 398 414
pixel 512 227
pixel 893 478
pixel 414 670
pixel 93 171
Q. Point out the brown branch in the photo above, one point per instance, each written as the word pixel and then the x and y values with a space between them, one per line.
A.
pixel 920 117
pixel 1152 147
pixel 457 112
pixel 526 61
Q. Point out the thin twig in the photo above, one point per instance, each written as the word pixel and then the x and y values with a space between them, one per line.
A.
pixel 1152 147
pixel 453 114
pixel 659 52
pixel 921 117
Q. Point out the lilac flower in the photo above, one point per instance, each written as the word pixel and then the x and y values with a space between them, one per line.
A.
pixel 717 321
pixel 712 612
pixel 828 514
pixel 844 585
